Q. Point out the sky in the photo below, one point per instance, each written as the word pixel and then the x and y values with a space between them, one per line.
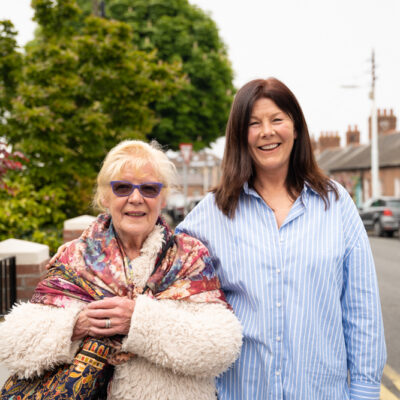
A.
pixel 314 46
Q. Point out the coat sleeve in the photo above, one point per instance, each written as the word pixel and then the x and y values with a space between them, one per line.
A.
pixel 34 338
pixel 189 338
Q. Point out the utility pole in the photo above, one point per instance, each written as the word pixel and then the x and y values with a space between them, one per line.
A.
pixel 102 9
pixel 374 135
pixel 186 153
pixel 99 8
pixel 95 7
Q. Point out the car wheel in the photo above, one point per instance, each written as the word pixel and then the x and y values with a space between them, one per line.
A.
pixel 378 229
pixel 389 233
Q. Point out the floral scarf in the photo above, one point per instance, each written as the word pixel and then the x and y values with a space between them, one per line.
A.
pixel 95 266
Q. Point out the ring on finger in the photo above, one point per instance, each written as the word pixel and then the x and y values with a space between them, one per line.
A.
pixel 108 323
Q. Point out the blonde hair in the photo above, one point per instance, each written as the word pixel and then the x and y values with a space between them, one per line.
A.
pixel 134 154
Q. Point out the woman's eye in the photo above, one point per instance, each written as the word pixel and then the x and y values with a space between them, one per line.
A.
pixel 277 120
pixel 253 123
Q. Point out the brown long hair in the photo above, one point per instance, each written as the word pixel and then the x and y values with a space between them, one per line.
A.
pixel 237 164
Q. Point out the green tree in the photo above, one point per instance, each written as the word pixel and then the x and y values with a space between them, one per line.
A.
pixel 80 92
pixel 10 66
pixel 181 32
pixel 27 213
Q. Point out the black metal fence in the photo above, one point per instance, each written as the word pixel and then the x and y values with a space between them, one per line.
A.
pixel 8 284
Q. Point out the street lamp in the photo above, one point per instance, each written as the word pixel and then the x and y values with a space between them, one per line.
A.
pixel 374 135
pixel 374 131
pixel 186 153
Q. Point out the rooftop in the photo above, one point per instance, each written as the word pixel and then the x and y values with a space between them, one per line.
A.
pixel 359 156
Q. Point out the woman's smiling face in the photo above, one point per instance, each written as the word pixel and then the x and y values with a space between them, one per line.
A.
pixel 134 216
pixel 270 138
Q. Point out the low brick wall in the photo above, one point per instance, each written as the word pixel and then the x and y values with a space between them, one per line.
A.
pixel 31 259
pixel 75 226
pixel 28 276
pixel 71 235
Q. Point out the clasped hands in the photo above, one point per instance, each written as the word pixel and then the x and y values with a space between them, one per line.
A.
pixel 107 317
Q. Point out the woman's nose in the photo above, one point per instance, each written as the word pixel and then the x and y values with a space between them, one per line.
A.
pixel 266 128
pixel 135 196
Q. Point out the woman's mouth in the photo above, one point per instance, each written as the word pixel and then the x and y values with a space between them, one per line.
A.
pixel 135 214
pixel 269 146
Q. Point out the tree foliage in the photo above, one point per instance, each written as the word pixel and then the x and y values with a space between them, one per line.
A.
pixel 181 32
pixel 79 94
pixel 9 161
pixel 153 69
pixel 10 65
pixel 64 103
pixel 31 214
pixel 27 213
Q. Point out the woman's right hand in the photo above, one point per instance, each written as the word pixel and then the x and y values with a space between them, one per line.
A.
pixel 91 320
pixel 82 326
pixel 60 250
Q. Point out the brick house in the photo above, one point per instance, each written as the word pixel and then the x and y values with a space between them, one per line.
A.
pixel 203 172
pixel 351 165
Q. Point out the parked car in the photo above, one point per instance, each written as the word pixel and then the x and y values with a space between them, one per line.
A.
pixel 382 215
pixel 176 206
pixel 193 201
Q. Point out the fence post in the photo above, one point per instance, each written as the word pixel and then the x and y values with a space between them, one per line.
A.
pixel 8 290
pixel 30 261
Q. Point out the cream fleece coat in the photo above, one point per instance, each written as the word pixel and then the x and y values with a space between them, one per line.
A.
pixel 180 346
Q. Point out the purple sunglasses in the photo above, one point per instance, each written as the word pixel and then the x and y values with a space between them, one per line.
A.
pixel 146 189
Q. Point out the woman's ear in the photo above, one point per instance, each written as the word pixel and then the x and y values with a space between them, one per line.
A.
pixel 105 202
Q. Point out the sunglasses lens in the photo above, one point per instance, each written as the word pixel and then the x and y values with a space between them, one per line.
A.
pixel 150 189
pixel 122 188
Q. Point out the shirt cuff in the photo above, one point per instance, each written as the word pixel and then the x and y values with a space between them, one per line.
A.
pixel 364 391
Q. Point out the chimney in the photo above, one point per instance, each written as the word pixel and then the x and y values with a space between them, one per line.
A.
pixel 352 136
pixel 387 122
pixel 328 140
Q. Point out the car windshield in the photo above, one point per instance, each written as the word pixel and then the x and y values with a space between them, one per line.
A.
pixel 393 203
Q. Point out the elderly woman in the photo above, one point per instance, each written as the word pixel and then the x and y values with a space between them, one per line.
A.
pixel 151 298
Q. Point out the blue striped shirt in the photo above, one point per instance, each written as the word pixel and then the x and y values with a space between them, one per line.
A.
pixel 306 295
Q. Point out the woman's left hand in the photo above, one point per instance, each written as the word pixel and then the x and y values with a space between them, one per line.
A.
pixel 111 316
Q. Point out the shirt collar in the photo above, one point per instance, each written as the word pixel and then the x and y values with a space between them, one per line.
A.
pixel 249 190
pixel 304 195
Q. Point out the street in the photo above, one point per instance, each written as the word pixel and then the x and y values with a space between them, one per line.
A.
pixel 386 253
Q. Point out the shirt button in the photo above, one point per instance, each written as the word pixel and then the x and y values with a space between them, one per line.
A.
pixel 278 372
pixel 278 271
pixel 278 338
pixel 278 304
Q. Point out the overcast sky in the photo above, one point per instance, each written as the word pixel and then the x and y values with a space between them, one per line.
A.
pixel 314 46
